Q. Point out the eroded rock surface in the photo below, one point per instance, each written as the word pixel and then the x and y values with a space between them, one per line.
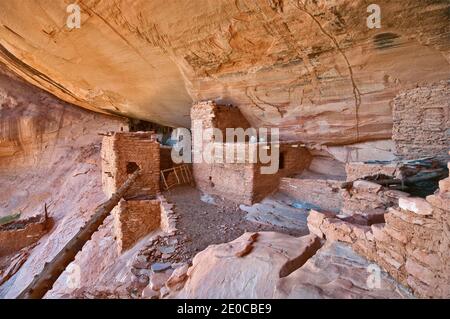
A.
pixel 336 271
pixel 49 153
pixel 217 272
pixel 312 68
pixel 282 266
pixel 278 210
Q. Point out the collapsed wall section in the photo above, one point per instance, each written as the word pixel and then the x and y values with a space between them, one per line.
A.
pixel 19 234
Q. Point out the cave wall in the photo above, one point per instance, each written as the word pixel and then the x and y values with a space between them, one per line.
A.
pixel 49 154
pixel 312 68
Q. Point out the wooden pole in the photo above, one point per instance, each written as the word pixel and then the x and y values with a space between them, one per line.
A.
pixel 43 282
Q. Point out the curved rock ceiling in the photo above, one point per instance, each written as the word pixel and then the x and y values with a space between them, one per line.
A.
pixel 312 68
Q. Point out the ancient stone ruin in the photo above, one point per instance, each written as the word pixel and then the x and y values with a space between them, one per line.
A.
pixel 241 181
pixel 225 149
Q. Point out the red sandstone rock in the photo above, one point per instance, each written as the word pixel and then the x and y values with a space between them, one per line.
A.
pixel 221 51
pixel 444 185
pixel 366 186
pixel 416 205
pixel 396 234
pixel 430 259
pixel 159 279
pixel 217 273
pixel 420 114
pixel 149 293
pixel 327 225
pixel 379 233
pixel 247 246
pixel 178 278
pixel 52 156
pixel 420 272
pixel 359 170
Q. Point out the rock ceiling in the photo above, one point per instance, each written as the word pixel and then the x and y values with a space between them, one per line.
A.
pixel 312 68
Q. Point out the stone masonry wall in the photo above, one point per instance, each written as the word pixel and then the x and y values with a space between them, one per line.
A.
pixel 122 149
pixel 218 116
pixel 20 234
pixel 243 181
pixel 295 160
pixel 138 213
pixel 232 181
pixel 321 193
pixel 422 122
pixel 369 200
pixel 134 219
pixel 413 244
pixel 364 200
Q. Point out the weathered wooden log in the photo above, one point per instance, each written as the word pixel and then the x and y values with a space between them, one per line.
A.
pixel 43 282
pixel 422 177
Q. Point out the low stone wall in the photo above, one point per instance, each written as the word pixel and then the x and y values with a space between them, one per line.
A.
pixel 321 193
pixel 244 182
pixel 233 181
pixel 369 200
pixel 168 217
pixel 17 235
pixel 412 245
pixel 361 199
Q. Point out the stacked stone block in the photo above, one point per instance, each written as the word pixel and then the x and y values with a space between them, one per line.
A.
pixel 139 212
pixel 22 233
pixel 413 244
pixel 422 122
pixel 134 219
pixel 242 182
pixel 121 151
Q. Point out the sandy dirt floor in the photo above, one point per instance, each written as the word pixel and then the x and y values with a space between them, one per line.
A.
pixel 204 223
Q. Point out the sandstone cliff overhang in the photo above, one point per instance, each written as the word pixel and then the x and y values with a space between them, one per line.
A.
pixel 314 69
